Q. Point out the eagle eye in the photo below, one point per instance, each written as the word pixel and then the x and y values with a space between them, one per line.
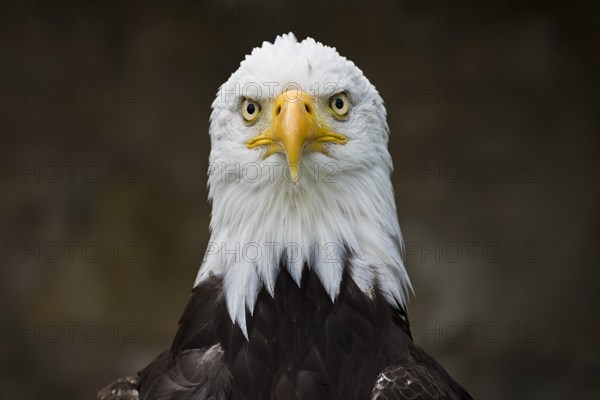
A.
pixel 340 104
pixel 250 110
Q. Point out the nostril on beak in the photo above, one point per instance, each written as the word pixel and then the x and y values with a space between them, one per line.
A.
pixel 277 110
pixel 307 108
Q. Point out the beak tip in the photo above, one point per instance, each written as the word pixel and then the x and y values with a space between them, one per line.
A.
pixel 293 173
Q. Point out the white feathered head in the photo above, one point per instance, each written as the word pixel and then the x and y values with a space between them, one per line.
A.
pixel 300 171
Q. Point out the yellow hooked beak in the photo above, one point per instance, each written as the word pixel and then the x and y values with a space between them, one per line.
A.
pixel 294 129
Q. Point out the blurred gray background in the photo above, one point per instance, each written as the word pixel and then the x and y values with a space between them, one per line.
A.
pixel 493 110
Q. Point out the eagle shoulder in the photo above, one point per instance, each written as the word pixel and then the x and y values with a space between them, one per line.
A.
pixel 198 374
pixel 121 389
pixel 420 377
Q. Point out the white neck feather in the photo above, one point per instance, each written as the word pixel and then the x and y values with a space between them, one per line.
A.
pixel 257 221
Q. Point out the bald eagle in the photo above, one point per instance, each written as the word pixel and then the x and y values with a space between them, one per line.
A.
pixel 302 292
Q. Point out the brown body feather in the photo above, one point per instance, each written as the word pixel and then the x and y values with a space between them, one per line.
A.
pixel 300 346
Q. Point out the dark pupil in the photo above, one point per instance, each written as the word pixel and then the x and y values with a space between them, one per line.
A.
pixel 339 104
pixel 250 108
